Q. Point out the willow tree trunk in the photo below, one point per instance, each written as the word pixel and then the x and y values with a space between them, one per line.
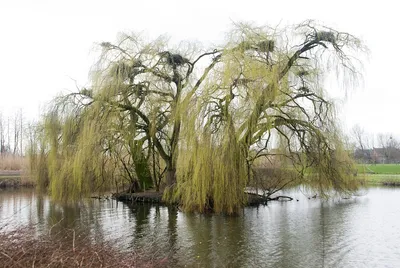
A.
pixel 170 174
pixel 171 163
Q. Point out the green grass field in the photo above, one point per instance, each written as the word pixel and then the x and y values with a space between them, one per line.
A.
pixel 379 169
pixel 386 174
pixel 383 174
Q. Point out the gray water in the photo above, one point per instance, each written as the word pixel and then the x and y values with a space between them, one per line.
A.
pixel 362 231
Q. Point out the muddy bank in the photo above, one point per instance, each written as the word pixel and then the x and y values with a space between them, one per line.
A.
pixel 156 198
pixel 14 179
pixel 143 197
pixel 15 183
pixel 10 173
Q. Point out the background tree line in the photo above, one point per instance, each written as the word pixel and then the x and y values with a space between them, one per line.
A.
pixel 384 148
pixel 13 136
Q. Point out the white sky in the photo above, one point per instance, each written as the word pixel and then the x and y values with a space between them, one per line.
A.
pixel 46 45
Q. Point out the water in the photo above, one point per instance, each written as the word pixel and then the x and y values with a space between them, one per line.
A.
pixel 363 231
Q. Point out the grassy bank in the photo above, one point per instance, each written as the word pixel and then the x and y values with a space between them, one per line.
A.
pixel 382 179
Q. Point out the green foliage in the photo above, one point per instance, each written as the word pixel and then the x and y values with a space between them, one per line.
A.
pixel 211 173
pixel 75 161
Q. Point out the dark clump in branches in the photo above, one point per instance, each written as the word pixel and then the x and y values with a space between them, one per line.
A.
pixel 326 36
pixel 262 46
pixel 266 46
pixel 174 59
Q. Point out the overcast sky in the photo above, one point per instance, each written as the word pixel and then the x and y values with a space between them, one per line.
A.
pixel 48 45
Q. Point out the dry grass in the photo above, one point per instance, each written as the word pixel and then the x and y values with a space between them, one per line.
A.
pixel 14 172
pixel 21 248
pixel 12 162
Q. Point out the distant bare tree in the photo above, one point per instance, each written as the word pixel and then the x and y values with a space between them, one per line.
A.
pixel 12 134
pixel 360 137
pixel 2 135
pixel 363 144
pixel 16 135
pixel 390 147
pixel 21 127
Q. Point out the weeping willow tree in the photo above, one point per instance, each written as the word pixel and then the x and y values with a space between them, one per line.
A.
pixel 268 86
pixel 128 121
pixel 198 120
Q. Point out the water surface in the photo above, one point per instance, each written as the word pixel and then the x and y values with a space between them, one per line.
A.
pixel 363 231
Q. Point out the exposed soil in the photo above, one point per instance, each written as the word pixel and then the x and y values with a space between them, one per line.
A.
pixel 14 179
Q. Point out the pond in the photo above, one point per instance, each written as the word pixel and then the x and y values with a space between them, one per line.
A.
pixel 362 231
